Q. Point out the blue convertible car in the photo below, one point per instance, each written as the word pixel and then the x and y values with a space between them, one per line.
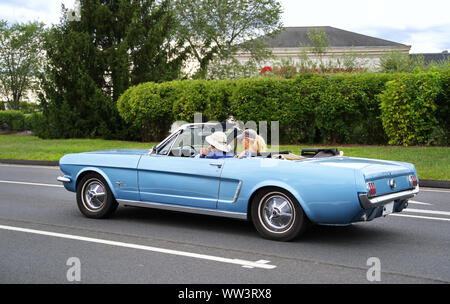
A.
pixel 280 193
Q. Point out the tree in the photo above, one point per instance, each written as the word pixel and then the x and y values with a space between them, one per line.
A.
pixel 94 58
pixel 214 30
pixel 319 40
pixel 20 60
pixel 395 62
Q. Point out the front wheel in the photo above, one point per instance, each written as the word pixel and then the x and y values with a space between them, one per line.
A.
pixel 277 215
pixel 94 197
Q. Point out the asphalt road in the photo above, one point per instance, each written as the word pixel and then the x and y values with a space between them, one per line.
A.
pixel 41 229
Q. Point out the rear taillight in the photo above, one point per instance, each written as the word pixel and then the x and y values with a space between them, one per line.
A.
pixel 413 180
pixel 371 189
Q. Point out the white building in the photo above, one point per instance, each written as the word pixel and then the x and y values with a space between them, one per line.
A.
pixel 291 42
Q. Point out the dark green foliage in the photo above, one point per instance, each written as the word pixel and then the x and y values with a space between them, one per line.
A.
pixel 365 108
pixel 348 110
pixel 152 108
pixel 271 100
pixel 442 132
pixel 36 123
pixel 211 98
pixel 91 62
pixel 12 120
pixel 409 108
pixel 146 108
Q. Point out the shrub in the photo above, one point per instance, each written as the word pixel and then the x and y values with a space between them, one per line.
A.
pixel 442 132
pixel 148 108
pixel 367 127
pixel 299 114
pixel 408 108
pixel 13 120
pixel 36 123
pixel 364 108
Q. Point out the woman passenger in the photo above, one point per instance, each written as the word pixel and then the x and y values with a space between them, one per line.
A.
pixel 252 142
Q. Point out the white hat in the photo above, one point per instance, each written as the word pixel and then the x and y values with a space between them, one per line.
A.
pixel 219 141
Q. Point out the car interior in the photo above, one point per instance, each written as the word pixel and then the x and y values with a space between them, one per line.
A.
pixel 188 143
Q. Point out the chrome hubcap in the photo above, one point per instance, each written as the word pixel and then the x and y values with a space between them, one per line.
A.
pixel 94 195
pixel 277 213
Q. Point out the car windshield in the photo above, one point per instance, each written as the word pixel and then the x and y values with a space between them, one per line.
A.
pixel 190 140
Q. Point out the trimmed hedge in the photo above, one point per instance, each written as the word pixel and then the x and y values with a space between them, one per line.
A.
pixel 408 107
pixel 12 120
pixel 152 107
pixel 36 123
pixel 345 108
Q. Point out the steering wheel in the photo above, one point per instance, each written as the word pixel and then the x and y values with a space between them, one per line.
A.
pixel 192 147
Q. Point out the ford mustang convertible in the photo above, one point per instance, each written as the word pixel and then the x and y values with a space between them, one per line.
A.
pixel 281 193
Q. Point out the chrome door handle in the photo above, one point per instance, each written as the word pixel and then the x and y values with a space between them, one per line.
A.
pixel 216 164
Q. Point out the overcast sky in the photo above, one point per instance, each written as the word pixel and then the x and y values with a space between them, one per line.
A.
pixel 425 25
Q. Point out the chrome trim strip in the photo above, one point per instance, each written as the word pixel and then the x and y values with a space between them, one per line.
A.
pixel 63 179
pixel 367 203
pixel 394 196
pixel 236 215
pixel 238 190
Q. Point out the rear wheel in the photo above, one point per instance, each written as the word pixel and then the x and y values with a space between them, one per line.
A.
pixel 277 215
pixel 94 197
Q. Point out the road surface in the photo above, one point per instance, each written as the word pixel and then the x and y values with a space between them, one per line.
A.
pixel 43 237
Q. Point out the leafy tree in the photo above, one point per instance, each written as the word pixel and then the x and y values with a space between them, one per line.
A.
pixel 94 58
pixel 20 60
pixel 396 62
pixel 214 30
pixel 319 40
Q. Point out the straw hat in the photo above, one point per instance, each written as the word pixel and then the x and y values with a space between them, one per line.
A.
pixel 219 141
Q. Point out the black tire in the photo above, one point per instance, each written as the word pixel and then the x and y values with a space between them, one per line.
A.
pixel 90 203
pixel 281 226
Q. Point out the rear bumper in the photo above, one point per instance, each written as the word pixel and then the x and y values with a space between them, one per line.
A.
pixel 377 201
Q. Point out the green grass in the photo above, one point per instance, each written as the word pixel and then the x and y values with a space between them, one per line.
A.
pixel 34 148
pixel 430 162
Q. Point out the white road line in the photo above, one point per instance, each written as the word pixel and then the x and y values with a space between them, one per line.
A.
pixel 28 183
pixel 418 203
pixel 422 217
pixel 426 211
pixel 257 264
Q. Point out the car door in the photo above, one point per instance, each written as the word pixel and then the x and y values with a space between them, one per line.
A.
pixel 191 182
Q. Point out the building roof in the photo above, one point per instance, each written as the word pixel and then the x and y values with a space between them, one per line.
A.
pixel 429 57
pixel 293 37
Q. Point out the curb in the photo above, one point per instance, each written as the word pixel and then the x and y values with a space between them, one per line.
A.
pixel 431 183
pixel 30 162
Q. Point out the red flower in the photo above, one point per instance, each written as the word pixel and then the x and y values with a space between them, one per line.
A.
pixel 265 69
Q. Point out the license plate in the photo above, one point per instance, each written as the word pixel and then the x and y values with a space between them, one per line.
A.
pixel 388 208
